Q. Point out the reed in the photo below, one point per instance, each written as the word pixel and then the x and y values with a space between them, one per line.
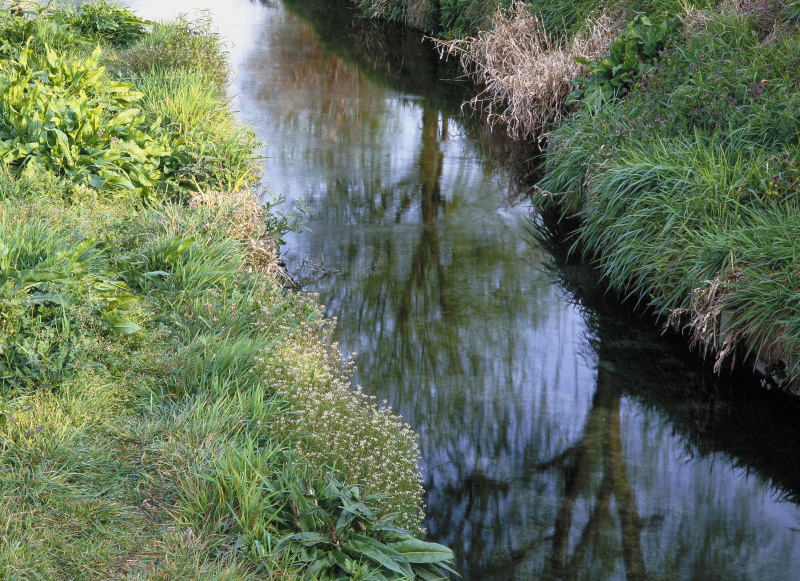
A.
pixel 524 70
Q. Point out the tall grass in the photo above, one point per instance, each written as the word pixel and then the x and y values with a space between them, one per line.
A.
pixel 181 45
pixel 689 187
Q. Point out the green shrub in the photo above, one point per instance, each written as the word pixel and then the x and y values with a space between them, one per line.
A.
pixel 70 118
pixel 77 28
pixel 340 535
pixel 101 21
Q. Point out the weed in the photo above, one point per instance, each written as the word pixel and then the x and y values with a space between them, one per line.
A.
pixel 634 52
pixel 76 123
pixel 182 45
pixel 101 21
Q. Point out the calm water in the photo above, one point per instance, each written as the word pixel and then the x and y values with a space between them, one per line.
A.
pixel 561 438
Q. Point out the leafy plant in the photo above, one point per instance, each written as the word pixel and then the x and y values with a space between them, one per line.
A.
pixel 46 284
pixel 101 20
pixel 74 121
pixel 184 44
pixel 340 536
pixel 633 53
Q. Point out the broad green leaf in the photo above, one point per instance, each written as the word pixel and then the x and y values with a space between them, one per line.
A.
pixel 343 561
pixel 428 573
pixel 416 551
pixel 119 324
pixel 179 246
pixel 307 538
pixel 392 529
pixel 42 298
pixel 381 554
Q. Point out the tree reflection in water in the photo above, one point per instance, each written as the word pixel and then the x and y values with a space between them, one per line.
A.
pixel 552 446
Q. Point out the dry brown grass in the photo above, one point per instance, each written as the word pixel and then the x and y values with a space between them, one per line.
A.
pixel 241 216
pixel 710 332
pixel 524 70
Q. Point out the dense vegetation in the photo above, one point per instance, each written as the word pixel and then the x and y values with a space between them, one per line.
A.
pixel 167 410
pixel 675 144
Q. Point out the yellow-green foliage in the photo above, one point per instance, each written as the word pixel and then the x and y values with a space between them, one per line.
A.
pixel 68 116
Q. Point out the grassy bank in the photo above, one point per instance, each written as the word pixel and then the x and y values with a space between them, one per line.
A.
pixel 168 410
pixel 671 131
pixel 688 188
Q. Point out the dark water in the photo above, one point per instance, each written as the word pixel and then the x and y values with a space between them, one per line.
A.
pixel 562 438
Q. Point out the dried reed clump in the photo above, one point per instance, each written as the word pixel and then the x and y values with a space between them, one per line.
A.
pixel 525 70
pixel 710 332
pixel 241 216
pixel 715 329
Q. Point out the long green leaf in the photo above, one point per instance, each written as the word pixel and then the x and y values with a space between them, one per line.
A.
pixel 120 324
pixel 429 573
pixel 416 551
pixel 381 554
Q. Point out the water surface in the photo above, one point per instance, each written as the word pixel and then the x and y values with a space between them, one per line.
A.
pixel 561 438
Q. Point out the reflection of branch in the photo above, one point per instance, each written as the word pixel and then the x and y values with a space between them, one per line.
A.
pixel 600 510
pixel 602 433
pixel 577 476
pixel 626 502
pixel 557 461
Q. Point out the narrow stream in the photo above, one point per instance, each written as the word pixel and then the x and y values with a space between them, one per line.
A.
pixel 561 437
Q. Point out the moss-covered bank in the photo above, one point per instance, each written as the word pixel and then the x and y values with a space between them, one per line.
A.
pixel 168 410
pixel 676 147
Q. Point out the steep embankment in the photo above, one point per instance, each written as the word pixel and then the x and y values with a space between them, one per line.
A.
pixel 168 410
pixel 676 145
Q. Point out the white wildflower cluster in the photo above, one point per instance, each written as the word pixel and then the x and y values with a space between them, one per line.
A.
pixel 344 427
pixel 22 6
pixel 329 423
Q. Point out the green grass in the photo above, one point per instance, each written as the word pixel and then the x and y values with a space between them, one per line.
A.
pixel 209 149
pixel 688 188
pixel 160 393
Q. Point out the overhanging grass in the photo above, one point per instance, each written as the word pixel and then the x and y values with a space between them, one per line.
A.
pixel 688 189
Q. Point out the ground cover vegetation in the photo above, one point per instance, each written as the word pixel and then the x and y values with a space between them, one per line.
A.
pixel 671 131
pixel 167 409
